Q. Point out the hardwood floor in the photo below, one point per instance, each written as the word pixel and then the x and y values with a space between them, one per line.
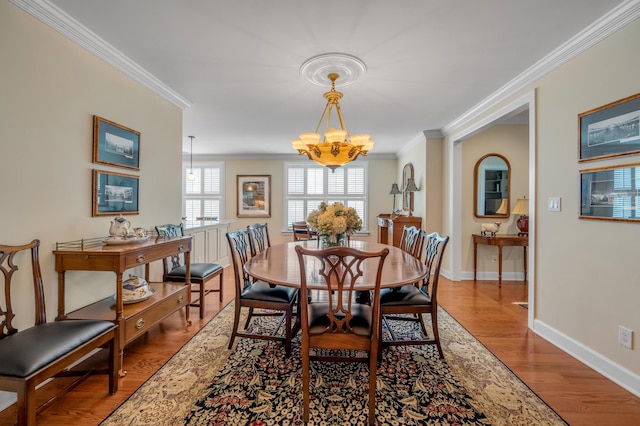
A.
pixel 580 395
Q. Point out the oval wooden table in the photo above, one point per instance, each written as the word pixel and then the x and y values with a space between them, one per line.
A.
pixel 278 264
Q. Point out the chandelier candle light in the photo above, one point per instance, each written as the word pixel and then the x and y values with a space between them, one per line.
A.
pixel 334 223
pixel 337 147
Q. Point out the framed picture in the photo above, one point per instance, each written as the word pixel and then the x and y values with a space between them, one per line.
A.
pixel 611 193
pixel 115 145
pixel 254 196
pixel 114 193
pixel 407 197
pixel 612 130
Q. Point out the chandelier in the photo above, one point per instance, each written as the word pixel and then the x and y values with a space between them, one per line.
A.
pixel 337 147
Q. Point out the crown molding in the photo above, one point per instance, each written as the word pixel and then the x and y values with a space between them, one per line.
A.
pixel 625 13
pixel 56 19
pixel 433 134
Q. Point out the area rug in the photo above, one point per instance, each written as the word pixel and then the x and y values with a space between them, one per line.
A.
pixel 255 384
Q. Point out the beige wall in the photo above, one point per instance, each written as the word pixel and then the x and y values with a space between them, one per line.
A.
pixel 381 176
pixel 587 284
pixel 512 142
pixel 50 89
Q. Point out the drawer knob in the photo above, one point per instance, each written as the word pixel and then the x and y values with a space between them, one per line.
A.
pixel 180 299
pixel 181 247
pixel 140 323
pixel 140 259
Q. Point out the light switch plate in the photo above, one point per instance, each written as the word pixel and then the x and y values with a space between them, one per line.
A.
pixel 553 205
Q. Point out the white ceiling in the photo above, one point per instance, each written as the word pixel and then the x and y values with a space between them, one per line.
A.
pixel 236 63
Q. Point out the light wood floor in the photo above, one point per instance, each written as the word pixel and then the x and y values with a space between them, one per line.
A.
pixel 580 395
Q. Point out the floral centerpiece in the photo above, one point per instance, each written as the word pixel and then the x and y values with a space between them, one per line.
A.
pixel 334 222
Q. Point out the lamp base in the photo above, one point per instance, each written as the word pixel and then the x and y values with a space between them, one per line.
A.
pixel 523 224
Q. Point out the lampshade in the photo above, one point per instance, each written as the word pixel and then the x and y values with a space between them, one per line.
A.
pixel 521 207
pixel 503 207
pixel 337 147
pixel 395 190
pixel 411 186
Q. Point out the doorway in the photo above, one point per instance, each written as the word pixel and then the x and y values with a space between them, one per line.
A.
pixel 454 153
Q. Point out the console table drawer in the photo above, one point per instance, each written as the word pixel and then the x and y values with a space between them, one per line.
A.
pixel 140 322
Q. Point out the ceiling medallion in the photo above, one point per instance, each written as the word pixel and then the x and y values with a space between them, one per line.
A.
pixel 317 69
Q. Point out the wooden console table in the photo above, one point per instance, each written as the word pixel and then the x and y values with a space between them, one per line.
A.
pixel 390 227
pixel 136 318
pixel 504 240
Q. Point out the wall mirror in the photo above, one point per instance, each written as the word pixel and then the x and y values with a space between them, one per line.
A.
pixel 407 197
pixel 492 184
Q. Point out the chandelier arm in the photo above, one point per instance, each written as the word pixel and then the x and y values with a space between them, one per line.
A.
pixel 326 107
pixel 343 125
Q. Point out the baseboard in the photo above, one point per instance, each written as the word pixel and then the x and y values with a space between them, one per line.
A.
pixel 490 276
pixel 614 372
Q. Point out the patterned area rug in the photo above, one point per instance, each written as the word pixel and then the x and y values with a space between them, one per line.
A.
pixel 255 384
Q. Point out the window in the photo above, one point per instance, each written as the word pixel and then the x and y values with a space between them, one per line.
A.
pixel 203 196
pixel 308 184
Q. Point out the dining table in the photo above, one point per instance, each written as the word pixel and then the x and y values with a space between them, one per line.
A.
pixel 279 264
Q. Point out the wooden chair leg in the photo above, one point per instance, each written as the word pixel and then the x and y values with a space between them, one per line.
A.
pixel 221 281
pixel 287 343
pixel 201 302
pixel 249 315
pixel 305 382
pixel 436 336
pixel 236 321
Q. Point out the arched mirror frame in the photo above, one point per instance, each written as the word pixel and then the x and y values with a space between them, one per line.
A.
pixel 407 197
pixel 476 182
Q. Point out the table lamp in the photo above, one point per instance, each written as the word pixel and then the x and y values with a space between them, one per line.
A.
pixel 394 191
pixel 522 208
pixel 411 187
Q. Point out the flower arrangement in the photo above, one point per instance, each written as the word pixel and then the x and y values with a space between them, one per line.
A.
pixel 334 222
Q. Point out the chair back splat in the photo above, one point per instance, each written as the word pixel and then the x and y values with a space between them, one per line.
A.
pixel 337 321
pixel 258 238
pixel 412 240
pixel 416 299
pixel 264 297
pixel 201 273
pixel 30 356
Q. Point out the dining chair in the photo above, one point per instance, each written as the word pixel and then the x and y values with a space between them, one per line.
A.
pixel 301 232
pixel 258 238
pixel 416 299
pixel 412 240
pixel 338 322
pixel 174 270
pixel 33 355
pixel 265 297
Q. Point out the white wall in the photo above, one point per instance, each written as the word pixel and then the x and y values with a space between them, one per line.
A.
pixel 50 89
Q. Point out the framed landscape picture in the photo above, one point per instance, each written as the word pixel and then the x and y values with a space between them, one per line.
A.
pixel 611 193
pixel 610 131
pixel 115 145
pixel 114 193
pixel 254 196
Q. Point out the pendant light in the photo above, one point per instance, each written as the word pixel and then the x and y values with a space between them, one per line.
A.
pixel 191 176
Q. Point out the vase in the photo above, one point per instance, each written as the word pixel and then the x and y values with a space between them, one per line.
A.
pixel 332 240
